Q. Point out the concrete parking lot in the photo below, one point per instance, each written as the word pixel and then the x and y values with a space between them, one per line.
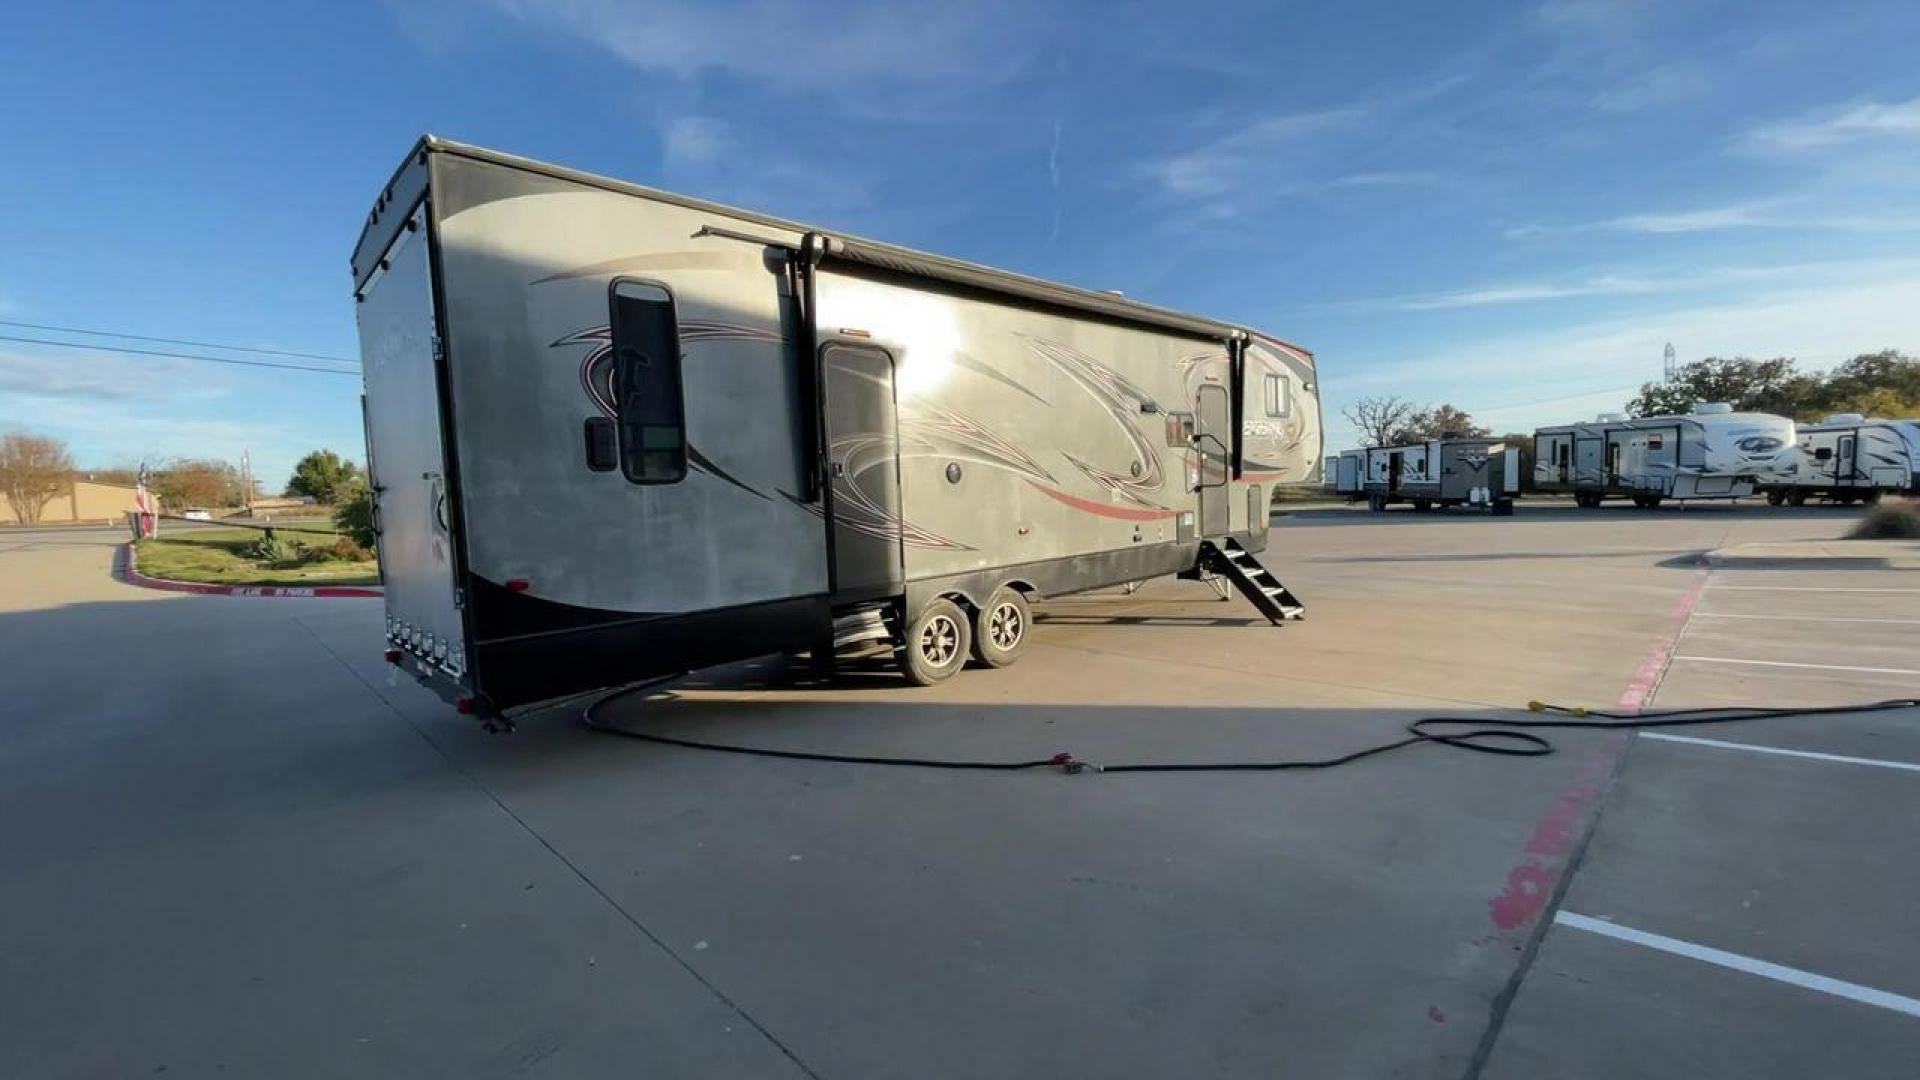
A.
pixel 234 842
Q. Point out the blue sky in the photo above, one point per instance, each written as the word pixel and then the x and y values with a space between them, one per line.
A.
pixel 1512 207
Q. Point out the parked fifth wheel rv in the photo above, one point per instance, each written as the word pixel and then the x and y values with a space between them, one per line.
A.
pixel 1440 473
pixel 1848 457
pixel 617 433
pixel 1710 453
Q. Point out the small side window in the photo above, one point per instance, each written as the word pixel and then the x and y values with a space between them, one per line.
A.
pixel 1179 428
pixel 1279 395
pixel 646 365
pixel 1655 442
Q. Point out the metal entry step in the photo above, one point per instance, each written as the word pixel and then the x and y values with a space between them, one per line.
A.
pixel 1228 559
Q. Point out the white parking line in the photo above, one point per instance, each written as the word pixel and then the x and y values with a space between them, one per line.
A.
pixel 1866 995
pixel 1803 618
pixel 1808 754
pixel 1804 588
pixel 1791 664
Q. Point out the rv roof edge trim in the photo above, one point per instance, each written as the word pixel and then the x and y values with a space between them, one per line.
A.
pixel 863 250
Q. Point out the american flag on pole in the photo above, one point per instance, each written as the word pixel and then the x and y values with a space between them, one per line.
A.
pixel 143 504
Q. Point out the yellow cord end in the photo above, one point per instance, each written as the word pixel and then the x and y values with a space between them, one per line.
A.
pixel 1536 706
pixel 1579 710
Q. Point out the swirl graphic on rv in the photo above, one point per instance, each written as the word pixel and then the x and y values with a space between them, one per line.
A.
pixel 1120 399
pixel 597 379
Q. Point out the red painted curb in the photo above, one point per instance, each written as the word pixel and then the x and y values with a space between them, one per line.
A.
pixel 1531 884
pixel 130 573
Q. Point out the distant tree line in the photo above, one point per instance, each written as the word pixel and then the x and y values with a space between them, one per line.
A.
pixel 1393 421
pixel 1885 384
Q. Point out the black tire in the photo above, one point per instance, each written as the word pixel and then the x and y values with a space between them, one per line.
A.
pixel 936 644
pixel 1775 497
pixel 1000 628
pixel 1503 508
pixel 1796 497
pixel 1648 502
pixel 1421 506
pixel 1377 503
pixel 1871 498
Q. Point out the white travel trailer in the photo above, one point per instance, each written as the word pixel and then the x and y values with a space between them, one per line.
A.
pixel 1346 474
pixel 616 432
pixel 1710 453
pixel 1848 457
pixel 1435 473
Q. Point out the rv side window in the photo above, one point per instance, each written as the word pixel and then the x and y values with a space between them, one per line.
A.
pixel 1655 442
pixel 646 359
pixel 1279 396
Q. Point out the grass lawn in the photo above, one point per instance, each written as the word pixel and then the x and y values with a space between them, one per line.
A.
pixel 219 557
pixel 1296 494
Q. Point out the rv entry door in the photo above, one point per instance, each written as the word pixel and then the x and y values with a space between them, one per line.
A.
pixel 863 472
pixel 400 351
pixel 1211 433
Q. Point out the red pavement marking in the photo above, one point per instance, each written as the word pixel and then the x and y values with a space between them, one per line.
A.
pixel 130 573
pixel 1647 679
pixel 1531 883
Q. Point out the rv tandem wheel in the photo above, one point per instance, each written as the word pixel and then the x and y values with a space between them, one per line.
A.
pixel 936 643
pixel 1000 628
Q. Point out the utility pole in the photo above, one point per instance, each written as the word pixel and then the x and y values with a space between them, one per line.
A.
pixel 246 477
pixel 1668 366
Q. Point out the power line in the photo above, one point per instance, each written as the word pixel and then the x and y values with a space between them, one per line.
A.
pixel 180 356
pixel 177 341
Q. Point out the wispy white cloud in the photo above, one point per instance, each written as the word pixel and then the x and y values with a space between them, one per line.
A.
pixel 1382 178
pixel 1519 381
pixel 26 373
pixel 846 51
pixel 1783 214
pixel 1666 282
pixel 1053 182
pixel 1584 18
pixel 1229 160
pixel 1524 293
pixel 1665 84
pixel 1839 125
pixel 694 141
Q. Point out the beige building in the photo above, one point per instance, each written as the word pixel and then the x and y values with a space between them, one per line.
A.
pixel 83 501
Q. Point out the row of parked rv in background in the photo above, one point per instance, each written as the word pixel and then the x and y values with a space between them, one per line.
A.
pixel 1709 453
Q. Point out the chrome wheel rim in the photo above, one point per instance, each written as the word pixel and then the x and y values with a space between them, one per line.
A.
pixel 1005 627
pixel 940 640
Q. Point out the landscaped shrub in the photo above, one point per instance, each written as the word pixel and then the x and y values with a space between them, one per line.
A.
pixel 1893 519
pixel 354 517
pixel 269 548
pixel 341 549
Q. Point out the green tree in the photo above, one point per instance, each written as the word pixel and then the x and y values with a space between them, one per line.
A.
pixel 185 483
pixel 1438 422
pixel 323 476
pixel 1744 383
pixel 354 514
pixel 1888 378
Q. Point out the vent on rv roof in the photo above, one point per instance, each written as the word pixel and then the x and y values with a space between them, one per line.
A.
pixel 1610 417
pixel 1846 418
pixel 1711 408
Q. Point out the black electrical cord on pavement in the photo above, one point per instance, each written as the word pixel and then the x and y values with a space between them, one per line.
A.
pixel 1483 735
